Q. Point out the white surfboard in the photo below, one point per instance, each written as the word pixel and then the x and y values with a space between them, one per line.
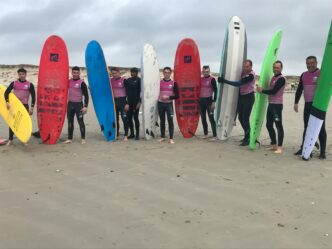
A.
pixel 235 52
pixel 311 135
pixel 150 91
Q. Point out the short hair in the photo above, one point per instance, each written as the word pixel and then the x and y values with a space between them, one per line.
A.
pixel 167 68
pixel 279 63
pixel 134 70
pixel 115 69
pixel 76 68
pixel 21 70
pixel 206 67
pixel 311 57
pixel 249 61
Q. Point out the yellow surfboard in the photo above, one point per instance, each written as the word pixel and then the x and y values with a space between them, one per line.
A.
pixel 17 117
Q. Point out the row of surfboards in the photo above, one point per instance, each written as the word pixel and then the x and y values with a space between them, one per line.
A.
pixel 53 89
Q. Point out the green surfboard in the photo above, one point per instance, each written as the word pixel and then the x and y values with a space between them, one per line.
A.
pixel 261 100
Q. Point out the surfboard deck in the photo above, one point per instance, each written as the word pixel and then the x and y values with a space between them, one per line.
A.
pixel 261 100
pixel 100 89
pixel 52 89
pixel 321 100
pixel 149 91
pixel 17 117
pixel 187 75
pixel 233 55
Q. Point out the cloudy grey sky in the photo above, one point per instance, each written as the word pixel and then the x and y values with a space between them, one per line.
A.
pixel 123 26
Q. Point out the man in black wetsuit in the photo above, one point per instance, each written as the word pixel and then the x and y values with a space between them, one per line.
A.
pixel 207 101
pixel 77 89
pixel 133 91
pixel 246 98
pixel 168 92
pixel 274 110
pixel 22 89
pixel 307 85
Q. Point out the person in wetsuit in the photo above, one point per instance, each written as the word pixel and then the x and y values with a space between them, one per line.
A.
pixel 133 90
pixel 22 89
pixel 77 89
pixel 207 101
pixel 274 110
pixel 246 97
pixel 168 92
pixel 307 85
pixel 120 98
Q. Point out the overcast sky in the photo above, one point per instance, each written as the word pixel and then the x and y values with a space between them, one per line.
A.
pixel 122 27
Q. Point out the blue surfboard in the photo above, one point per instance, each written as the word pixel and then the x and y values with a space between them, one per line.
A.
pixel 100 89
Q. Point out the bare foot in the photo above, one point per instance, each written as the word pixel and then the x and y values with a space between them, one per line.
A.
pixel 204 137
pixel 171 141
pixel 68 141
pixel 213 139
pixel 278 150
pixel 125 139
pixel 273 147
pixel 83 141
pixel 161 140
pixel 26 144
pixel 9 143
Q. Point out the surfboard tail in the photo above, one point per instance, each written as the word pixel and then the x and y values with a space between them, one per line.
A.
pixel 311 136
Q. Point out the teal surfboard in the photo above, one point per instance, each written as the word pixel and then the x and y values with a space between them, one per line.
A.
pixel 321 100
pixel 261 100
pixel 100 89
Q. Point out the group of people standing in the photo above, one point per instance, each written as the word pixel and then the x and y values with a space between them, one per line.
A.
pixel 127 98
pixel 275 92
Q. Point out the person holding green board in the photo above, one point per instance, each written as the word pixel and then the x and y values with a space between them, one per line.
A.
pixel 307 85
pixel 274 110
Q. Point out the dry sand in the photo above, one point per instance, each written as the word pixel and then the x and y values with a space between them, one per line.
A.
pixel 145 194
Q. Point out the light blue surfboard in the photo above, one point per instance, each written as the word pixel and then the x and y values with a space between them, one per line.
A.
pixel 100 89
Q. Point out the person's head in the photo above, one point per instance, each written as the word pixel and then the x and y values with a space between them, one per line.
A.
pixel 206 71
pixel 134 72
pixel 22 74
pixel 311 62
pixel 115 72
pixel 167 71
pixel 277 67
pixel 247 66
pixel 76 72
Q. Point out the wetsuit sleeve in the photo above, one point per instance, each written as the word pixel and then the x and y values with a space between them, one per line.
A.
pixel 33 95
pixel 139 89
pixel 299 91
pixel 176 92
pixel 279 84
pixel 8 90
pixel 214 87
pixel 241 82
pixel 126 85
pixel 84 88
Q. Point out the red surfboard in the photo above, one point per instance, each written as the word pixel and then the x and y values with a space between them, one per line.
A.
pixel 187 75
pixel 52 89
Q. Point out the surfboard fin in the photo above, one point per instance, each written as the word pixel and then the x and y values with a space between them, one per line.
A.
pixel 152 134
pixel 102 127
pixel 157 124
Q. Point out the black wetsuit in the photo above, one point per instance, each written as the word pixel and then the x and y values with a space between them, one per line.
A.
pixel 306 114
pixel 75 108
pixel 274 114
pixel 133 91
pixel 245 104
pixel 205 107
pixel 167 109
pixel 33 101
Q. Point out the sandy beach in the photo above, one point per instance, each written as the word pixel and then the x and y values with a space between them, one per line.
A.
pixel 145 194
